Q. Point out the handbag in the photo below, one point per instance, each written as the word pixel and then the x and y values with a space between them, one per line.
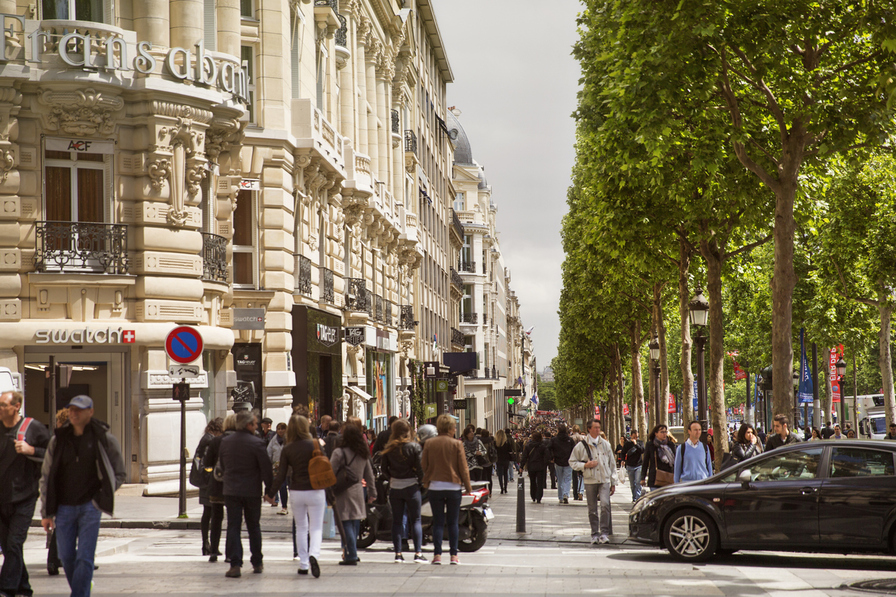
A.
pixel 345 478
pixel 662 478
pixel 320 471
pixel 198 474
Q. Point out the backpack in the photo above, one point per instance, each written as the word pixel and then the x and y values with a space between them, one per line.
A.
pixel 492 453
pixel 23 428
pixel 320 471
pixel 345 478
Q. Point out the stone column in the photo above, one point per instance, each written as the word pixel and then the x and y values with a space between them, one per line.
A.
pixel 151 21
pixel 229 27
pixel 372 147
pixel 186 23
pixel 385 119
pixel 359 95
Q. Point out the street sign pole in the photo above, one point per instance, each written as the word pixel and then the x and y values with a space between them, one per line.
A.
pixel 183 346
pixel 182 493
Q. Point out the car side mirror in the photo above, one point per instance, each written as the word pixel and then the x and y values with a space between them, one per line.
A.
pixel 745 477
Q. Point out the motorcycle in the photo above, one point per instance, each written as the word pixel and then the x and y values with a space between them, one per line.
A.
pixel 472 523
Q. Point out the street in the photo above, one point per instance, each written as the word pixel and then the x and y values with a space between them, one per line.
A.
pixel 553 558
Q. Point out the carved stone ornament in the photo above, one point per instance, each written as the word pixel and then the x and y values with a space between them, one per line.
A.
pixel 80 112
pixel 158 171
pixel 7 163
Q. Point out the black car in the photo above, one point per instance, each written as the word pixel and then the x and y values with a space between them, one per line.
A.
pixel 823 496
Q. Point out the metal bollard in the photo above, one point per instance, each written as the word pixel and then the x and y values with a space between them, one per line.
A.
pixel 520 504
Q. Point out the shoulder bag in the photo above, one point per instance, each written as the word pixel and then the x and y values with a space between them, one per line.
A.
pixel 320 471
pixel 661 478
pixel 345 476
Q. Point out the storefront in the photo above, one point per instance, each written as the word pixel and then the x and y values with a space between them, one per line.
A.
pixel 380 376
pixel 317 361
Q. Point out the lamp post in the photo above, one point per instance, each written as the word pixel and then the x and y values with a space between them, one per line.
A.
pixel 699 314
pixel 655 357
pixel 766 386
pixel 796 398
pixel 841 376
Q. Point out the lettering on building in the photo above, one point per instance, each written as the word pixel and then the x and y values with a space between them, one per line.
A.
pixel 85 336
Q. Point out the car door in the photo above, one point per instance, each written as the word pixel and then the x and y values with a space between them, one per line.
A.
pixel 779 506
pixel 857 497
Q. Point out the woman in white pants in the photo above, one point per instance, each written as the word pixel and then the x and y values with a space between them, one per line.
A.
pixel 308 504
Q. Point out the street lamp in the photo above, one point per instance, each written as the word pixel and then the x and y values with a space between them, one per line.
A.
pixel 699 314
pixel 841 375
pixel 766 387
pixel 655 356
pixel 796 398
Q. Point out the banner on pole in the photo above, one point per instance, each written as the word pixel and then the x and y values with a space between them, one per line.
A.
pixel 834 356
pixel 806 386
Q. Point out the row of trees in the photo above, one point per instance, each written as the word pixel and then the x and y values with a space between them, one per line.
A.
pixel 741 147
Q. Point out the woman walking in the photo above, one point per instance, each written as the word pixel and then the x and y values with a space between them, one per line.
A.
pixel 659 455
pixel 535 460
pixel 578 478
pixel 216 488
pixel 475 453
pixel 354 454
pixel 445 474
pixel 403 465
pixel 746 444
pixel 505 456
pixel 308 504
pixel 210 511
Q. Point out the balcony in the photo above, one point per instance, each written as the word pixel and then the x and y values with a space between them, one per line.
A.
pixel 406 321
pixel 66 247
pixel 303 275
pixel 387 313
pixel 379 315
pixel 410 142
pixel 214 257
pixel 468 267
pixel 456 280
pixel 456 223
pixel 357 299
pixel 470 318
pixel 326 289
pixel 457 337
pixel 334 4
pixel 396 123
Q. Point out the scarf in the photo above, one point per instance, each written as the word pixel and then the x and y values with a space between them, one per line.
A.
pixel 664 452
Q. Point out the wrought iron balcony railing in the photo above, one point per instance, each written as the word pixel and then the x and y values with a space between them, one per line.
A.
pixel 457 337
pixel 458 225
pixel 214 257
pixel 358 298
pixel 467 266
pixel 380 315
pixel 387 313
pixel 407 318
pixel 334 4
pixel 410 141
pixel 396 122
pixel 326 289
pixel 303 275
pixel 341 37
pixel 81 247
pixel 469 318
pixel 457 280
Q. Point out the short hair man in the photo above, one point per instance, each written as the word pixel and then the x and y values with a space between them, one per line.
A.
pixel 382 437
pixel 891 434
pixel 693 460
pixel 23 442
pixel 266 433
pixel 633 453
pixel 782 436
pixel 74 494
pixel 594 457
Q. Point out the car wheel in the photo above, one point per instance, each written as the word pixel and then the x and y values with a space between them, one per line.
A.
pixel 691 536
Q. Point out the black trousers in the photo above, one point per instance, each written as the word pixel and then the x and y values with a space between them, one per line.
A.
pixel 503 469
pixel 537 480
pixel 553 475
pixel 239 507
pixel 14 522
pixel 210 526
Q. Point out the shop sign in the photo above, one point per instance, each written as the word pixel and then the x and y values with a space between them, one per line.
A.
pixel 327 334
pixel 441 385
pixel 103 146
pixel 429 410
pixel 250 184
pixel 248 319
pixel 354 335
pixel 85 336
pixel 460 405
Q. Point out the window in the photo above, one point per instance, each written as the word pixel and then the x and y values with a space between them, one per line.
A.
pixel 791 466
pixel 247 9
pixel 244 270
pixel 247 57
pixel 209 25
pixel 295 49
pixel 321 78
pixel 68 10
pixel 459 202
pixel 75 184
pixel 859 462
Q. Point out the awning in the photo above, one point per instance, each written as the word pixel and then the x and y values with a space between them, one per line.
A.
pixel 360 393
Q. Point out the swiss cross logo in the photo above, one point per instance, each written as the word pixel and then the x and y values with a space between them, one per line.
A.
pixel 128 337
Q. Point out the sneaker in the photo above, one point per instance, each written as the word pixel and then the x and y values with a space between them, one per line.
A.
pixel 419 559
pixel 455 561
pixel 315 568
pixel 399 559
pixel 436 560
pixel 303 571
pixel 283 512
pixel 593 539
pixel 603 539
pixel 348 562
pixel 234 572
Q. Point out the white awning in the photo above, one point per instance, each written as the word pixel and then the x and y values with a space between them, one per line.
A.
pixel 357 391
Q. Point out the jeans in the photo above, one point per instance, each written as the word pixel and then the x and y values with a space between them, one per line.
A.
pixel 564 479
pixel 350 539
pixel 210 527
pixel 537 481
pixel 408 501
pixel 308 508
pixel 284 495
pixel 440 500
pixel 503 469
pixel 14 522
pixel 239 507
pixel 578 482
pixel 634 477
pixel 599 514
pixel 77 529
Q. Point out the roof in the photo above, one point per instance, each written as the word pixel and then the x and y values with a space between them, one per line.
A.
pixel 463 153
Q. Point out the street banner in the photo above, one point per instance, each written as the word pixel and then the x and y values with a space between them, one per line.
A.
pixel 695 395
pixel 806 386
pixel 739 373
pixel 756 388
pixel 673 408
pixel 625 411
pixel 834 356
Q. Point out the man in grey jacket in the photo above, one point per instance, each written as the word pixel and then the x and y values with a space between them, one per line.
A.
pixel 593 456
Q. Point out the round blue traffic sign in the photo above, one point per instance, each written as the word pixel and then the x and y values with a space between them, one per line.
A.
pixel 184 345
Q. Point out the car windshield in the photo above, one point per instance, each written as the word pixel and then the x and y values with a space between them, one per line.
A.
pixel 780 467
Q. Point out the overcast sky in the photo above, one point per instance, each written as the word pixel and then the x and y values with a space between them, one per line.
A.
pixel 515 83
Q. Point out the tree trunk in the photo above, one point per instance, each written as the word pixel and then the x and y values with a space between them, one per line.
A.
pixel 716 380
pixel 886 360
pixel 687 375
pixel 663 405
pixel 637 411
pixel 784 281
pixel 619 423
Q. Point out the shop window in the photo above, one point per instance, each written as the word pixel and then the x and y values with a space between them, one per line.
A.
pixel 244 253
pixel 73 10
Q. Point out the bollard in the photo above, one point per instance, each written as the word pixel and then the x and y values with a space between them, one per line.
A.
pixel 520 504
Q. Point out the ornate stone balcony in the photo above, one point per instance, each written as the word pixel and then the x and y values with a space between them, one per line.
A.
pixel 358 297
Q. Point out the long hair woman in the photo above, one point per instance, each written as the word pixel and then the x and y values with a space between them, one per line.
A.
pixel 535 459
pixel 353 453
pixel 403 466
pixel 746 445
pixel 505 455
pixel 212 514
pixel 215 488
pixel 659 454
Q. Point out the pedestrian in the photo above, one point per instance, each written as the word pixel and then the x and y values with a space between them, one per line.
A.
pixel 816 435
pixel 891 434
pixel 746 444
pixel 618 451
pixel 53 561
pixel 577 477
pixel 353 454
pixel 475 453
pixel 504 448
pixel 594 457
pixel 23 443
pixel 760 433
pixel 658 465
pixel 308 504
pixel 782 436
pixel 445 475
pixel 827 431
pixel 323 426
pixel 246 467
pixel 491 453
pixel 81 472
pixel 403 465
pixel 275 447
pixel 552 471
pixel 561 448
pixel 266 433
pixel 213 429
pixel 383 436
pixel 693 460
pixel 633 454
pixel 838 434
pixel 216 488
pixel 332 438
pixel 535 460
pixel 850 434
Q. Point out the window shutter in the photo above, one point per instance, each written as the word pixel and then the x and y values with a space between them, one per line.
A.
pixel 210 26
pixel 109 12
pixel 108 190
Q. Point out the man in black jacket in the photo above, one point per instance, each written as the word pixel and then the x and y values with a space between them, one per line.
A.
pixel 382 437
pixel 82 470
pixel 632 453
pixel 246 466
pixel 23 442
pixel 561 448
pixel 782 436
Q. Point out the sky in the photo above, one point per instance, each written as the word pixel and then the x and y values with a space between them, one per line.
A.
pixel 515 83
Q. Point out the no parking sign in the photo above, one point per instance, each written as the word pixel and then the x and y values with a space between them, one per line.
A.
pixel 184 344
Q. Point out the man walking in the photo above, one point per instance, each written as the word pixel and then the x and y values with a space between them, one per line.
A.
pixel 23 442
pixel 891 434
pixel 82 470
pixel 561 449
pixel 246 466
pixel 827 431
pixel 593 456
pixel 693 460
pixel 633 452
pixel 782 436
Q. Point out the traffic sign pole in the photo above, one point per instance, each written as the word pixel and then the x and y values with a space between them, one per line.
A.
pixel 183 345
pixel 182 490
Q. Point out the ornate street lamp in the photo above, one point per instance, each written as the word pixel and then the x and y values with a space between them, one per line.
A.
pixel 796 399
pixel 699 314
pixel 766 387
pixel 841 377
pixel 655 357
